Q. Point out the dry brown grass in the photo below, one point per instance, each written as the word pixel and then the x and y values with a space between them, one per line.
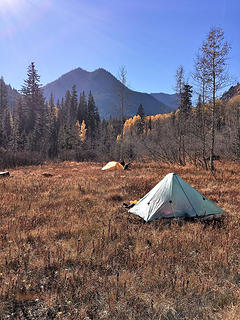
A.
pixel 69 250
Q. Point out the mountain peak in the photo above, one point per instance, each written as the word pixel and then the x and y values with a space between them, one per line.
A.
pixel 105 89
pixel 100 70
pixel 232 92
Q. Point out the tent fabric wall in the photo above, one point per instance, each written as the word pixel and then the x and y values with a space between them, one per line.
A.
pixel 173 197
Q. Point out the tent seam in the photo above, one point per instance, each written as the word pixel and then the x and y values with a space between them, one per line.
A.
pixel 186 195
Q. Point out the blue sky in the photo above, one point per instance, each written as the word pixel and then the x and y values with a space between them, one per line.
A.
pixel 150 38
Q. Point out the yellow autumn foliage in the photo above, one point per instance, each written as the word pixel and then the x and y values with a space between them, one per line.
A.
pixel 83 131
pixel 130 125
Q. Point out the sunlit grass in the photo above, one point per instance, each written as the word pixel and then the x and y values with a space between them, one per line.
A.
pixel 69 249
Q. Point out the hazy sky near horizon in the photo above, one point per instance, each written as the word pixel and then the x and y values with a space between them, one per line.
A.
pixel 150 38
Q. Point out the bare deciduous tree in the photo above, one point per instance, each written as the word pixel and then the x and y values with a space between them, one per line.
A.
pixel 214 52
pixel 123 92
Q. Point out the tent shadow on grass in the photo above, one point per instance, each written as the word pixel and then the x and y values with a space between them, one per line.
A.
pixel 217 221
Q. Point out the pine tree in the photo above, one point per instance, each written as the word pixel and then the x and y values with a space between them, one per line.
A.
pixel 19 138
pixel 4 110
pixel 73 106
pixel 186 100
pixel 183 121
pixel 82 108
pixel 7 128
pixel 140 111
pixel 33 98
pixel 92 118
pixel 58 106
pixel 51 101
pixel 51 130
pixel 66 108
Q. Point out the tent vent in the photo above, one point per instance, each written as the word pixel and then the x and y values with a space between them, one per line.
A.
pixel 170 201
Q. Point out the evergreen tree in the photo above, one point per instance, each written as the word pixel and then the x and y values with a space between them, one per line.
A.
pixel 33 98
pixel 18 135
pixel 186 100
pixel 140 111
pixel 66 108
pixel 183 121
pixel 16 131
pixel 51 101
pixel 52 129
pixel 4 111
pixel 93 118
pixel 58 104
pixel 82 108
pixel 73 106
pixel 3 95
pixel 7 128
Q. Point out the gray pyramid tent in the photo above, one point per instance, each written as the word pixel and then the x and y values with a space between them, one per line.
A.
pixel 173 197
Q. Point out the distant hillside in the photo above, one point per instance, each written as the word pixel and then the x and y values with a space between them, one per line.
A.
pixel 171 100
pixel 13 94
pixel 232 92
pixel 105 89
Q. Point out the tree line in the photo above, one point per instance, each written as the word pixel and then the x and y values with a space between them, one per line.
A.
pixel 71 129
pixel 200 134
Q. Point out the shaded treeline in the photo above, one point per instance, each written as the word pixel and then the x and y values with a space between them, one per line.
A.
pixel 36 130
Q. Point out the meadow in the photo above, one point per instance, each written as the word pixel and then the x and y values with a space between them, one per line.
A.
pixel 70 250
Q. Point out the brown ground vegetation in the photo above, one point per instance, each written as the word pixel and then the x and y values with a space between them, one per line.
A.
pixel 69 250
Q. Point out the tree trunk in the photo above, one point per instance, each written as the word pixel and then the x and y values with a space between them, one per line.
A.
pixel 183 151
pixel 211 164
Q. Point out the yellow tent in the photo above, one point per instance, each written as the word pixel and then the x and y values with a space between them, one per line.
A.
pixel 113 165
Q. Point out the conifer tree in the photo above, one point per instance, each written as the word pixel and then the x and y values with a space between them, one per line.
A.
pixel 51 128
pixel 7 128
pixel 140 111
pixel 3 111
pixel 92 117
pixel 82 108
pixel 73 106
pixel 18 134
pixel 66 108
pixel 33 98
pixel 183 121
pixel 186 100
pixel 51 101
